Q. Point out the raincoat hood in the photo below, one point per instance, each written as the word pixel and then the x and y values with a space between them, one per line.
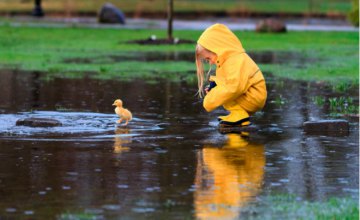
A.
pixel 221 40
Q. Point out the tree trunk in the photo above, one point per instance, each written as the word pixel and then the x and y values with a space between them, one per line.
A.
pixel 38 12
pixel 170 19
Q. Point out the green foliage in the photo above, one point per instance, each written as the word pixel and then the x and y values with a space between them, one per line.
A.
pixel 338 106
pixel 343 87
pixel 342 106
pixel 353 15
pixel 318 100
pixel 279 100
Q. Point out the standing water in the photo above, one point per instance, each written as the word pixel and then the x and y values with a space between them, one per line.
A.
pixel 170 162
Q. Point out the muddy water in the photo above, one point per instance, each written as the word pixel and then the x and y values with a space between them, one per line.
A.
pixel 170 162
pixel 263 57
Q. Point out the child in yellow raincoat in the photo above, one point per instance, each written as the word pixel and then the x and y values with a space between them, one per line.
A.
pixel 239 86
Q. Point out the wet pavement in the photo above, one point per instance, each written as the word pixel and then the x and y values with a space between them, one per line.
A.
pixel 170 162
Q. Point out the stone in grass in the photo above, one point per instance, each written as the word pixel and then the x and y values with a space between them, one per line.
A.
pixel 327 127
pixel 38 122
pixel 270 25
pixel 111 14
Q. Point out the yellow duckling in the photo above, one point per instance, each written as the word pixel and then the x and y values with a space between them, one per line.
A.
pixel 123 113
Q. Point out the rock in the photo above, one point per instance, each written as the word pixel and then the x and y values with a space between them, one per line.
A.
pixel 327 127
pixel 38 122
pixel 270 25
pixel 111 15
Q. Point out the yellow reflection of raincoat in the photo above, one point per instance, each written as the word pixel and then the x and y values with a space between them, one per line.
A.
pixel 119 140
pixel 228 178
pixel 240 83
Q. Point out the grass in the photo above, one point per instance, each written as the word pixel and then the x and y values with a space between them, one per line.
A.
pixel 339 102
pixel 290 207
pixel 338 106
pixel 275 207
pixel 323 56
pixel 331 7
pixel 279 101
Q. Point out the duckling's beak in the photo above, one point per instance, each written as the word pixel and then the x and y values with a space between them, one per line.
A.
pixel 114 104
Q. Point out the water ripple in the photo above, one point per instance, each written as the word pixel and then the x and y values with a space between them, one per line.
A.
pixel 89 125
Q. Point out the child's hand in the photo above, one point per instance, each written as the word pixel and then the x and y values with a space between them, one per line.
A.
pixel 210 86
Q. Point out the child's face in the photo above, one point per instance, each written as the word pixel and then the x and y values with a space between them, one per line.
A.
pixel 208 56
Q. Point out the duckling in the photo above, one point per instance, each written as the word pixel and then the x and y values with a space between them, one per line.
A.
pixel 123 113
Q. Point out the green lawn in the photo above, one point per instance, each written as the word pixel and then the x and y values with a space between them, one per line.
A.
pixel 330 7
pixel 323 56
pixel 291 207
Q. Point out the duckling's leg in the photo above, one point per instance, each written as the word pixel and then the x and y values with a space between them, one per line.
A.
pixel 127 121
pixel 120 120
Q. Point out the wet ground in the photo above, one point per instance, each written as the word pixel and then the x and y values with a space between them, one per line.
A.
pixel 170 162
pixel 263 57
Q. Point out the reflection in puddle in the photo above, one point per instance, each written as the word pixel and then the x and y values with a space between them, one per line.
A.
pixel 228 178
pixel 170 162
pixel 120 140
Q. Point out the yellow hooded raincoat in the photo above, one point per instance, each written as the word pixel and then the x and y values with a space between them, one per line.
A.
pixel 240 83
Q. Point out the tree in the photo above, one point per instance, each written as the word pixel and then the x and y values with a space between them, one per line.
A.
pixel 37 11
pixel 354 13
pixel 170 11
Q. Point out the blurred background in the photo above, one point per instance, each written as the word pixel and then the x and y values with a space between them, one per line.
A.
pixel 340 9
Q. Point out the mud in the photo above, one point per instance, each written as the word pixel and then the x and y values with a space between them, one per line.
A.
pixel 263 57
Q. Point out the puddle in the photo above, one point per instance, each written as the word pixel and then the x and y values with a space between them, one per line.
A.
pixel 263 57
pixel 170 162
pixel 135 56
